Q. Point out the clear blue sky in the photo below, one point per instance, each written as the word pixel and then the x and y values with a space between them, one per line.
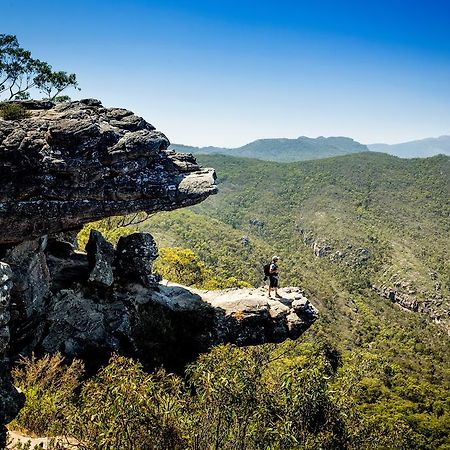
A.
pixel 228 72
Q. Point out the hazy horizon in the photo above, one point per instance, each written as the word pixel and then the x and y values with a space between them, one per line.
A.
pixel 213 74
pixel 315 137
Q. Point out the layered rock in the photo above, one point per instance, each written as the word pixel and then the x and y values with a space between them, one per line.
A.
pixel 77 162
pixel 437 307
pixel 10 400
pixel 158 323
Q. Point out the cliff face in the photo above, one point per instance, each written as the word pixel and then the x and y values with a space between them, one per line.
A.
pixel 77 162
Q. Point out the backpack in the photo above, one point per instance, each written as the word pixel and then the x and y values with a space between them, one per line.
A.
pixel 266 271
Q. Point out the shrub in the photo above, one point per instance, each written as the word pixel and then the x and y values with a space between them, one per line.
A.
pixel 125 408
pixel 49 386
pixel 289 396
pixel 13 111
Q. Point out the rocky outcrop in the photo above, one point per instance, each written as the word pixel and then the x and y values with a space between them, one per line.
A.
pixel 322 248
pixel 10 400
pixel 100 258
pixel 66 165
pixel 77 162
pixel 436 307
pixel 158 323
pixel 108 300
pixel 135 255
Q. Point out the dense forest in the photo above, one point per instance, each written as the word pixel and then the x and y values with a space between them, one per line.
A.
pixel 368 375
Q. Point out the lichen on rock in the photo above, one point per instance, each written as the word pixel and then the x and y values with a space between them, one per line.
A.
pixel 77 162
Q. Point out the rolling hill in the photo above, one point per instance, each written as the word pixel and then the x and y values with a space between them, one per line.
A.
pixel 283 149
pixel 416 149
pixel 304 148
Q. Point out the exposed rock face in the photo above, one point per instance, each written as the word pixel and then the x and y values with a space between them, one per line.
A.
pixel 76 162
pixel 10 400
pixel 135 255
pixel 433 307
pixel 100 257
pixel 160 324
pixel 248 317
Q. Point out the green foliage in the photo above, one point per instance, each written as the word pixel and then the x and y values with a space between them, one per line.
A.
pixel 13 111
pixel 125 408
pixel 392 387
pixel 398 211
pixel 49 386
pixel 20 72
pixel 247 399
pixel 111 229
pixel 183 266
pixel 294 395
pixel 53 83
pixel 266 397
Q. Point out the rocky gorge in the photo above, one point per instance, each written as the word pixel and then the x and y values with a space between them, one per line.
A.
pixel 72 163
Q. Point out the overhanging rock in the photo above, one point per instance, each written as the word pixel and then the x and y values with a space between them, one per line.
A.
pixel 77 162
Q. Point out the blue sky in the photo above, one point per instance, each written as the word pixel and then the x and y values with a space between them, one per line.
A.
pixel 228 72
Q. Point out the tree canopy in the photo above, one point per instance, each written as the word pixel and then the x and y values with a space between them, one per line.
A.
pixel 20 73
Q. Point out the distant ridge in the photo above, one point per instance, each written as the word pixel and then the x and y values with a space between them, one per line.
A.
pixel 416 149
pixel 284 149
pixel 305 148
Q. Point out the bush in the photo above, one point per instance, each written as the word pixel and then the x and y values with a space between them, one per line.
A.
pixel 289 396
pixel 182 265
pixel 49 386
pixel 13 111
pixel 125 408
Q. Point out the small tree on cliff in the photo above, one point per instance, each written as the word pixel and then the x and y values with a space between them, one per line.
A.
pixel 20 73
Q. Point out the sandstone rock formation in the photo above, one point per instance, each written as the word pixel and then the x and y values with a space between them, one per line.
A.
pixel 10 400
pixel 159 323
pixel 76 162
pixel 72 163
pixel 434 307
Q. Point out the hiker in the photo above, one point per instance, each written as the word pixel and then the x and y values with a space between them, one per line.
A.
pixel 271 272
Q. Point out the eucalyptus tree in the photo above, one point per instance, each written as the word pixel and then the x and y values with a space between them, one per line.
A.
pixel 20 73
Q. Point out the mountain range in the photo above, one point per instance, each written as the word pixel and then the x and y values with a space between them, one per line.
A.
pixel 422 148
pixel 305 148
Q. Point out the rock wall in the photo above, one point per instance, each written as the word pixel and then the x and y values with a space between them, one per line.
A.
pixel 10 400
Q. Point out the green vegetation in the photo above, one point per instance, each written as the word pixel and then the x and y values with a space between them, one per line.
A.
pixel 20 73
pixel 181 265
pixel 49 387
pixel 395 209
pixel 283 149
pixel 291 396
pixel 367 375
pixel 13 111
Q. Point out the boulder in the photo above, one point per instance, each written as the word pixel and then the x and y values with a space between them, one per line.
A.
pixel 100 254
pixel 134 258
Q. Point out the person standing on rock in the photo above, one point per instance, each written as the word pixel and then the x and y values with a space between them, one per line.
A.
pixel 273 276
